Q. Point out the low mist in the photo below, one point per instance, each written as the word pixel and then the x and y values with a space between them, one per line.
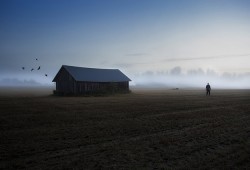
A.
pixel 198 78
pixel 173 78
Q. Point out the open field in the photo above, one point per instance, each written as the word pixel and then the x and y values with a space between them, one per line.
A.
pixel 168 129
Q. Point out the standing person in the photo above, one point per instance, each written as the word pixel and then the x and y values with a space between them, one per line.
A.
pixel 208 88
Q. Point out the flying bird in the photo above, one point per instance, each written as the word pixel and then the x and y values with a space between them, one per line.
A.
pixel 46 75
pixel 32 69
pixel 36 59
pixel 23 68
pixel 39 68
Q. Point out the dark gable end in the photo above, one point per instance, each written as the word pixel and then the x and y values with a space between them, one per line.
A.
pixel 62 75
pixel 81 80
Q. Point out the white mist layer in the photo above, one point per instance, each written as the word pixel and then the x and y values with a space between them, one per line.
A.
pixel 192 79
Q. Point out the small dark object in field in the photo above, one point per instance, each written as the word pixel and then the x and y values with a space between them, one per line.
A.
pixel 39 68
pixel 46 75
pixel 36 59
pixel 23 68
pixel 176 89
pixel 32 69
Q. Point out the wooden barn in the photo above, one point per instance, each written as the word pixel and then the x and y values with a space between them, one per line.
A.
pixel 82 80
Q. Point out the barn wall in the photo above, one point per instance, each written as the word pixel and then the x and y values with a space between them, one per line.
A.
pixel 123 85
pixel 65 83
pixel 86 87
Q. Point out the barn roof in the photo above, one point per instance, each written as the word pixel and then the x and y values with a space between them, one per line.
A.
pixel 94 74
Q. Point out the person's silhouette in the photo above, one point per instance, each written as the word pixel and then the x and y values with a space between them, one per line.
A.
pixel 208 88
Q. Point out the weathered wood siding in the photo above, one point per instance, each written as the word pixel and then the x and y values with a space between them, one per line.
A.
pixel 65 82
pixel 85 87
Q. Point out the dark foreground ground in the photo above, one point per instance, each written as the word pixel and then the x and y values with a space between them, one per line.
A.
pixel 170 129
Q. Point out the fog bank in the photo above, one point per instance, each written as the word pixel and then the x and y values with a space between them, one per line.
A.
pixel 176 78
pixel 15 82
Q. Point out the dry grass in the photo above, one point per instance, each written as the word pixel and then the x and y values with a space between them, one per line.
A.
pixel 167 129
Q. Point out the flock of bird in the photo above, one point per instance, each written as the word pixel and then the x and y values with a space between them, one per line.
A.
pixel 34 69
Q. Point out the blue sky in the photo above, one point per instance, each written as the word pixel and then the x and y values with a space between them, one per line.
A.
pixel 135 36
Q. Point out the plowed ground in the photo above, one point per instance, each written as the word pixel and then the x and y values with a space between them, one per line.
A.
pixel 168 129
